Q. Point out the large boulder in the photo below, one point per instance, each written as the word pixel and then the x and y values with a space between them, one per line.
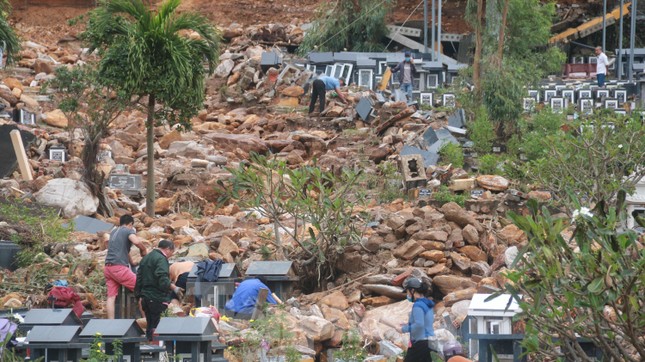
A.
pixel 316 328
pixel 72 196
pixel 455 213
pixel 493 182
pixel 245 142
pixel 381 323
pixel 55 118
pixel 451 283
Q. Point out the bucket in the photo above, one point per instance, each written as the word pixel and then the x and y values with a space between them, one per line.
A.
pixel 8 252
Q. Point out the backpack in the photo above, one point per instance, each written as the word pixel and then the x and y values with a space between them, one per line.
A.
pixel 208 270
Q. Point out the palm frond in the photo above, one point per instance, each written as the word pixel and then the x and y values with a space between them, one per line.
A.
pixel 10 39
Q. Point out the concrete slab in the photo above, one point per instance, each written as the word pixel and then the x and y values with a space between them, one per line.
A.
pixel 364 108
pixel 457 119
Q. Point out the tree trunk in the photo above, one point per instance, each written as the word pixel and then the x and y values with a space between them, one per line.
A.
pixel 91 176
pixel 502 30
pixel 150 142
pixel 479 25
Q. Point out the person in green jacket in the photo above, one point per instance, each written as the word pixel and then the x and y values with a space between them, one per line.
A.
pixel 153 285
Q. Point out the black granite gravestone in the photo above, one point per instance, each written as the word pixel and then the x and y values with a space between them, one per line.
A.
pixel 187 338
pixel 50 317
pixel 9 160
pixel 125 330
pixel 55 343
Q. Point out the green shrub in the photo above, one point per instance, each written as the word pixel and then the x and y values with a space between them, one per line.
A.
pixel 451 153
pixel 482 132
pixel 444 196
pixel 489 164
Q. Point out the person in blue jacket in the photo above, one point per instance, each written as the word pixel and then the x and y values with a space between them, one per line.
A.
pixel 420 322
pixel 319 91
pixel 245 297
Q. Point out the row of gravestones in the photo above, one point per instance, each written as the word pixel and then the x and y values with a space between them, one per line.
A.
pixel 58 334
pixel 572 95
pixel 559 99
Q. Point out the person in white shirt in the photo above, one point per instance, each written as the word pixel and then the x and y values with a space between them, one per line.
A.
pixel 601 66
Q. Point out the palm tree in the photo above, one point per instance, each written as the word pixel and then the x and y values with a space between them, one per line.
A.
pixel 7 34
pixel 158 55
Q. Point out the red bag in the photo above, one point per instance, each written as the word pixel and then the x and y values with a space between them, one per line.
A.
pixel 64 297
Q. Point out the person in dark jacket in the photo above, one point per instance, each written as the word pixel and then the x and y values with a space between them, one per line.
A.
pixel 420 322
pixel 153 284
pixel 406 74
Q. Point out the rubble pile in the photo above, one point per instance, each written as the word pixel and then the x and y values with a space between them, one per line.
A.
pixel 458 250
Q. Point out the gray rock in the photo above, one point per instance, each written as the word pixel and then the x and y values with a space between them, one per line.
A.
pixel 72 196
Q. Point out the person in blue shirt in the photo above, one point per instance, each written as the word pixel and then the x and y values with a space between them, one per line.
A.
pixel 245 297
pixel 319 90
pixel 420 322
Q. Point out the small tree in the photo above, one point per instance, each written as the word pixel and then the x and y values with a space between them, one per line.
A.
pixel 93 108
pixel 598 158
pixel 319 202
pixel 357 25
pixel 588 286
pixel 158 55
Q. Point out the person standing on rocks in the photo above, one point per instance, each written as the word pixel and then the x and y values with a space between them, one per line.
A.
pixel 153 285
pixel 117 270
pixel 420 322
pixel 407 72
pixel 319 90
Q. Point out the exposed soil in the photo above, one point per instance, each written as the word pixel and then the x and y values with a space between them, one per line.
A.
pixel 50 17
pixel 52 20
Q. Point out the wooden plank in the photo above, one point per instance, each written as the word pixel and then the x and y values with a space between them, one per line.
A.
pixel 385 80
pixel 260 302
pixel 21 155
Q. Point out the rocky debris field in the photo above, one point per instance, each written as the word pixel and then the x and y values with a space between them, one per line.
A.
pixel 459 250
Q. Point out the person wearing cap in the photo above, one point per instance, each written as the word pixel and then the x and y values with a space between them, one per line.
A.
pixel 406 74
pixel 319 90
pixel 420 322
pixel 454 352
pixel 154 286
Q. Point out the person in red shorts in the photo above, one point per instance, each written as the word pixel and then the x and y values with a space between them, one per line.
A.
pixel 117 270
